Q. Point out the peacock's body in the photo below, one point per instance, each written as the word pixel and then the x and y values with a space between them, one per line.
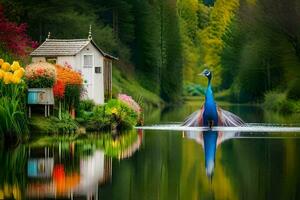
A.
pixel 210 114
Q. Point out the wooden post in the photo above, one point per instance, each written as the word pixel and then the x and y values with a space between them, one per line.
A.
pixel 29 110
pixel 45 110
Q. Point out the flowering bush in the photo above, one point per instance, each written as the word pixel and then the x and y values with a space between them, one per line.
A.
pixel 68 75
pixel 68 87
pixel 40 75
pixel 130 102
pixel 13 37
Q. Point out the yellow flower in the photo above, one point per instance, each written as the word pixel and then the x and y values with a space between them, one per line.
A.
pixel 1 73
pixel 7 77
pixel 5 66
pixel 15 66
pixel 19 73
pixel 1 61
pixel 15 79
pixel 114 111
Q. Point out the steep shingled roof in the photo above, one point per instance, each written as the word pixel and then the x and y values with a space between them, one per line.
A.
pixel 65 47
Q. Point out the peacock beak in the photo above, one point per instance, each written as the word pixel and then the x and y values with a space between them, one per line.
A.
pixel 202 73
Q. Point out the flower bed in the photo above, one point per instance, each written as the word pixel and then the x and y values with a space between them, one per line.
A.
pixel 13 121
pixel 68 88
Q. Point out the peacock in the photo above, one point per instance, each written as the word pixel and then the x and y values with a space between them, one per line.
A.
pixel 210 114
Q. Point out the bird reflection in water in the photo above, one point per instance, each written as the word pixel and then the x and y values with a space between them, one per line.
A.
pixel 210 140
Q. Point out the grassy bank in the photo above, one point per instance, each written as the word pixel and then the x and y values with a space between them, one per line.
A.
pixel 124 83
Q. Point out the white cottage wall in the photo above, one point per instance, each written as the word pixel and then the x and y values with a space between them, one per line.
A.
pixel 94 81
pixel 61 60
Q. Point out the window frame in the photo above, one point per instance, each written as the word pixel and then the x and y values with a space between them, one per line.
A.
pixel 93 62
pixel 51 59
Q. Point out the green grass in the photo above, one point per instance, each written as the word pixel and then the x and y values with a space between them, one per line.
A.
pixel 40 125
pixel 127 84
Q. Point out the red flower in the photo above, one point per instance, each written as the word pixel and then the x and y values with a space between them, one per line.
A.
pixel 59 89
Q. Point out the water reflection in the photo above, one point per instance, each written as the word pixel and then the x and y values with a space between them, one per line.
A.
pixel 63 169
pixel 50 178
pixel 210 140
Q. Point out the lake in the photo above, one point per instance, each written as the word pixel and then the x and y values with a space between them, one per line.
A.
pixel 160 164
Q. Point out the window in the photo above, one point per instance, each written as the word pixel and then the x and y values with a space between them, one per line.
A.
pixel 97 70
pixel 87 60
pixel 51 60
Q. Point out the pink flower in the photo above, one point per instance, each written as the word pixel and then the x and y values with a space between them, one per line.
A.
pixel 130 102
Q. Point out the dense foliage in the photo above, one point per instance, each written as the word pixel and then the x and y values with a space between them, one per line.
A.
pixel 261 53
pixel 143 34
pixel 13 37
pixel 252 46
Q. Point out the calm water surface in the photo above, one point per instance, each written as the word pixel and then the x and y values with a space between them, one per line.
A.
pixel 159 164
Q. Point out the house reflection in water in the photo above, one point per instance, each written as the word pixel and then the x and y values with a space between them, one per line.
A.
pixel 72 172
pixel 210 140
pixel 80 178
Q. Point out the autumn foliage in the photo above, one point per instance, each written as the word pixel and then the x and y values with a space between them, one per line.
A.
pixel 13 37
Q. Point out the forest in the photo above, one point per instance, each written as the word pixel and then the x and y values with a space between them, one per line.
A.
pixel 251 46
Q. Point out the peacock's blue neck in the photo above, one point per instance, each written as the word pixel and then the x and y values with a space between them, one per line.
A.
pixel 210 114
pixel 209 97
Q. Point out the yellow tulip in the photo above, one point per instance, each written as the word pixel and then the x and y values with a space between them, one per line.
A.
pixel 15 79
pixel 1 73
pixel 7 77
pixel 1 61
pixel 19 73
pixel 15 66
pixel 5 66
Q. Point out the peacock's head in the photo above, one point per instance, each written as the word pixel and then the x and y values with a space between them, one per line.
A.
pixel 206 73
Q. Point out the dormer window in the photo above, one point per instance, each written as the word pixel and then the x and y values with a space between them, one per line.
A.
pixel 88 61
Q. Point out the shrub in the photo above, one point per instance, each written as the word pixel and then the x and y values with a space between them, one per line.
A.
pixel 97 120
pixel 72 96
pixel 294 90
pixel 87 105
pixel 278 102
pixel 273 100
pixel 128 100
pixel 115 114
pixel 119 113
pixel 66 124
pixel 40 75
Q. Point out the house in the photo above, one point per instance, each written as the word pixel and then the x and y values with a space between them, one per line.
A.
pixel 84 56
